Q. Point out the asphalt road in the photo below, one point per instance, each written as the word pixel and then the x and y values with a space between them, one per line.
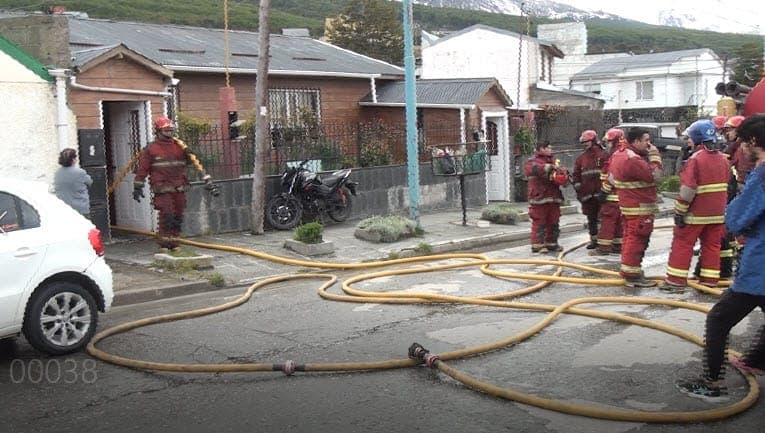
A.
pixel 577 359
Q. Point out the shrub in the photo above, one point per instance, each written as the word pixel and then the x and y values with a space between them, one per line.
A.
pixel 309 233
pixel 503 213
pixel 669 184
pixel 388 228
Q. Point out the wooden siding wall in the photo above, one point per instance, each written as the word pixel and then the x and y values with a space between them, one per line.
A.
pixel 198 95
pixel 114 73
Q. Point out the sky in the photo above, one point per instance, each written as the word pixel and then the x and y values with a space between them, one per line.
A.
pixel 725 14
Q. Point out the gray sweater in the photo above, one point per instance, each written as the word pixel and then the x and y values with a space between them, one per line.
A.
pixel 71 184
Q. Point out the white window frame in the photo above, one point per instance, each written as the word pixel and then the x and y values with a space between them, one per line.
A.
pixel 293 100
pixel 644 90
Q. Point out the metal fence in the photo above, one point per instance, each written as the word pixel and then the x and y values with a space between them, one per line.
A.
pixel 328 146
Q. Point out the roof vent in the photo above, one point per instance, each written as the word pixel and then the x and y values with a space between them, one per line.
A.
pixel 175 50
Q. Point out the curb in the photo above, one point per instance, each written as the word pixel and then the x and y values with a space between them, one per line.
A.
pixel 137 296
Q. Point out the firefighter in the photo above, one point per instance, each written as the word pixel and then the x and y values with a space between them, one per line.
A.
pixel 610 233
pixel 634 171
pixel 586 178
pixel 164 161
pixel 699 210
pixel 546 176
pixel 738 159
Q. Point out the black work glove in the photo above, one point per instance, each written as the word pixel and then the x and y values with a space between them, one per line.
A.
pixel 602 196
pixel 211 187
pixel 680 220
pixel 137 193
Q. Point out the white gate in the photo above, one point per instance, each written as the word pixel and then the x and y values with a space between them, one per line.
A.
pixel 128 134
pixel 497 135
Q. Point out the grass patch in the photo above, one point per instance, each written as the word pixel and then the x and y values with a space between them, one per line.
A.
pixel 501 213
pixel 216 279
pixel 669 184
pixel 310 233
pixel 387 228
pixel 423 249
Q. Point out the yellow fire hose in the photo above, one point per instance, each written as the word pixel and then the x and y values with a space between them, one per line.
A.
pixel 493 300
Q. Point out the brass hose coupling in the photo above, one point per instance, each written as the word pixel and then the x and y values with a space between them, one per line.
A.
pixel 422 355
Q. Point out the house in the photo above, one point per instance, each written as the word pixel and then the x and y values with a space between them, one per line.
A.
pixel 121 75
pixel 478 105
pixel 522 64
pixel 30 113
pixel 655 87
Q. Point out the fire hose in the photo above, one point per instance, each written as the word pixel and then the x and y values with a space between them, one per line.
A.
pixel 420 355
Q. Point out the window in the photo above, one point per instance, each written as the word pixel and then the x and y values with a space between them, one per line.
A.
pixel 16 214
pixel 294 106
pixel 644 91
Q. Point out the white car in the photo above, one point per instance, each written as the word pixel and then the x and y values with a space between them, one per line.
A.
pixel 53 277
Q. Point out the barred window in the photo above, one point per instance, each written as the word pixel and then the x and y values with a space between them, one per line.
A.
pixel 294 106
pixel 644 90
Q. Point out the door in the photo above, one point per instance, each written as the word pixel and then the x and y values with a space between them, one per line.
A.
pixel 127 136
pixel 498 178
pixel 22 249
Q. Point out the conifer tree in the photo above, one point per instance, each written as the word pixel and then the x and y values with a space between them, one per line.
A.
pixel 370 27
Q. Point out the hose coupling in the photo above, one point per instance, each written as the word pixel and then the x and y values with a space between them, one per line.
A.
pixel 288 367
pixel 422 355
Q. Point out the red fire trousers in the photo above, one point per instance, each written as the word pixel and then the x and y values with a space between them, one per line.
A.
pixel 683 240
pixel 170 206
pixel 544 224
pixel 637 233
pixel 610 233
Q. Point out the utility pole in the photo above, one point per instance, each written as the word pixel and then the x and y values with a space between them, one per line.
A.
pixel 262 136
pixel 410 94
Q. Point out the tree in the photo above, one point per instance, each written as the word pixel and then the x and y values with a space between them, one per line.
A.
pixel 370 27
pixel 748 67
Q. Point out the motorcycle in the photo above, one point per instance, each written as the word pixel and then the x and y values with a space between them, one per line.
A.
pixel 305 191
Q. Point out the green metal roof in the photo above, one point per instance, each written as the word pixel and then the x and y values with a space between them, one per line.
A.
pixel 25 59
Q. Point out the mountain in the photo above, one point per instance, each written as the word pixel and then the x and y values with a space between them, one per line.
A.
pixel 710 15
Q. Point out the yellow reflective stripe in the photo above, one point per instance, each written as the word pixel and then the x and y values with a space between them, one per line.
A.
pixel 612 197
pixel 605 242
pixel 726 253
pixel 675 272
pixel 630 269
pixel 603 176
pixel 712 187
pixel 591 172
pixel 642 210
pixel 546 200
pixel 168 163
pixel 632 185
pixel 681 207
pixel 709 273
pixel 717 219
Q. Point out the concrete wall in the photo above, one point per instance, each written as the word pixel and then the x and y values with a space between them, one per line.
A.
pixel 44 37
pixel 381 191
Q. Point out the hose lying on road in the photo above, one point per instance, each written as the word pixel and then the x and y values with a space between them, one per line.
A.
pixel 493 300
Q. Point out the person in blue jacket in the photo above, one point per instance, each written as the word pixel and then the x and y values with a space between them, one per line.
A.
pixel 745 216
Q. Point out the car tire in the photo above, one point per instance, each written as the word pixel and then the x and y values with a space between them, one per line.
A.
pixel 61 318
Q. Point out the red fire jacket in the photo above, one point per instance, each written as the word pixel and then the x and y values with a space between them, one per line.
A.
pixel 704 188
pixel 541 189
pixel 634 179
pixel 164 161
pixel 587 169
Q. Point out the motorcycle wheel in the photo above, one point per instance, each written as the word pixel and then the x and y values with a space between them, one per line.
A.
pixel 283 212
pixel 339 208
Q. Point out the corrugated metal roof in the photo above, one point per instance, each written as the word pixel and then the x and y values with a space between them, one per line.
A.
pixel 621 64
pixel 459 92
pixel 81 57
pixel 177 47
pixel 555 50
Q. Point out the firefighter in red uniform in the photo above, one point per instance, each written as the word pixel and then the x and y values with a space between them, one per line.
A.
pixel 610 233
pixel 699 210
pixel 164 161
pixel 635 180
pixel 586 178
pixel 546 176
pixel 738 160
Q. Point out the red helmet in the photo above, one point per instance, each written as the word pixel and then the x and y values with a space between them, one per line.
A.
pixel 719 121
pixel 559 178
pixel 163 122
pixel 613 134
pixel 734 121
pixel 588 135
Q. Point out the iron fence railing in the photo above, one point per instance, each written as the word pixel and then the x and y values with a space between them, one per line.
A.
pixel 329 146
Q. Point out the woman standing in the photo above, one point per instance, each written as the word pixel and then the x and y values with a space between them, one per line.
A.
pixel 72 182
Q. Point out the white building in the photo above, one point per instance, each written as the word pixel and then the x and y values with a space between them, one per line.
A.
pixel 28 113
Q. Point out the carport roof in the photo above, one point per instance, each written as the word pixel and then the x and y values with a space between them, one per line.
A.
pixel 437 93
pixel 185 48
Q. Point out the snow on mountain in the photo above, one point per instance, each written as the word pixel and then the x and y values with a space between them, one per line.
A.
pixel 714 15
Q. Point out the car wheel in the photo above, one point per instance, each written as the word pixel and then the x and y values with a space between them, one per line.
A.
pixel 61 318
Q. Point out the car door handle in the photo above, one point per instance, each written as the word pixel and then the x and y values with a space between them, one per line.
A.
pixel 24 252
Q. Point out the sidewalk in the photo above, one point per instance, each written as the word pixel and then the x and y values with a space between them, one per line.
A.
pixel 136 279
